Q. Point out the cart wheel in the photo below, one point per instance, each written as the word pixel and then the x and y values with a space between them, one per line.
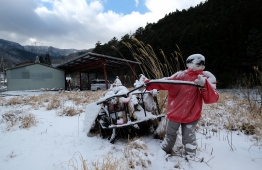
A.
pixel 103 118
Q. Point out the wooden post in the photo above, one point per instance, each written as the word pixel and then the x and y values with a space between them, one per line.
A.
pixel 88 81
pixel 134 72
pixel 80 81
pixel 105 75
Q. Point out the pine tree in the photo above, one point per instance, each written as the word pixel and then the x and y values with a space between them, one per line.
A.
pixel 47 59
pixel 41 59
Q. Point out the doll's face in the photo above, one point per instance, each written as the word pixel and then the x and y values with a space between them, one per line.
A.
pixel 196 62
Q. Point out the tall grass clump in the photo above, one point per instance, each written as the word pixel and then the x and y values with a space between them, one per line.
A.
pixel 151 65
pixel 54 103
pixel 108 162
pixel 28 121
pixel 137 155
pixel 18 118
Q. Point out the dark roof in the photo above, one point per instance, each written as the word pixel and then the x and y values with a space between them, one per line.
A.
pixel 25 63
pixel 92 62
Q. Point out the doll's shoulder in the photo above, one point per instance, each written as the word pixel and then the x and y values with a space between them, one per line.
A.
pixel 210 78
pixel 209 74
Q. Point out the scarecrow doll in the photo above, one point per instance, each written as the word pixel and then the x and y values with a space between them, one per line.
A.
pixel 185 102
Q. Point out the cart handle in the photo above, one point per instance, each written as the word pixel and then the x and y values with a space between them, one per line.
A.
pixel 174 82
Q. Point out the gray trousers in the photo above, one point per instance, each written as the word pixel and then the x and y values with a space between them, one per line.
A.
pixel 188 136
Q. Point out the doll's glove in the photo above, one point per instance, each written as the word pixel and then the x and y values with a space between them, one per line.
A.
pixel 200 80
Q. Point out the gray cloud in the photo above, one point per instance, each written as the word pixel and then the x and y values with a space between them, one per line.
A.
pixel 73 24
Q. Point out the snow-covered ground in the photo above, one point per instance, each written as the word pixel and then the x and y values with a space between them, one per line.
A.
pixel 59 142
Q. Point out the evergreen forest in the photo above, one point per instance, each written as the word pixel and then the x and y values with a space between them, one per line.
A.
pixel 227 32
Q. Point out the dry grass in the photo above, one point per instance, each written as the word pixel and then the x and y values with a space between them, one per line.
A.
pixel 14 101
pixel 78 101
pixel 85 97
pixel 137 155
pixel 234 114
pixel 28 121
pixel 73 163
pixel 109 162
pixel 55 102
pixel 68 104
pixel 18 118
pixel 69 111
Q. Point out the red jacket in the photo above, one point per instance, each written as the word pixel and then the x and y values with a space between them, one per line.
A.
pixel 185 102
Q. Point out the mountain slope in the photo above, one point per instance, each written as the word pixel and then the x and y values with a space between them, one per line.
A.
pixel 54 52
pixel 14 53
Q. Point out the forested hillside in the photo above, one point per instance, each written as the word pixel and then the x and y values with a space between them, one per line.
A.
pixel 227 32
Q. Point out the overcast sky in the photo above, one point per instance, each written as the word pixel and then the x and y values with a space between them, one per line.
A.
pixel 79 24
